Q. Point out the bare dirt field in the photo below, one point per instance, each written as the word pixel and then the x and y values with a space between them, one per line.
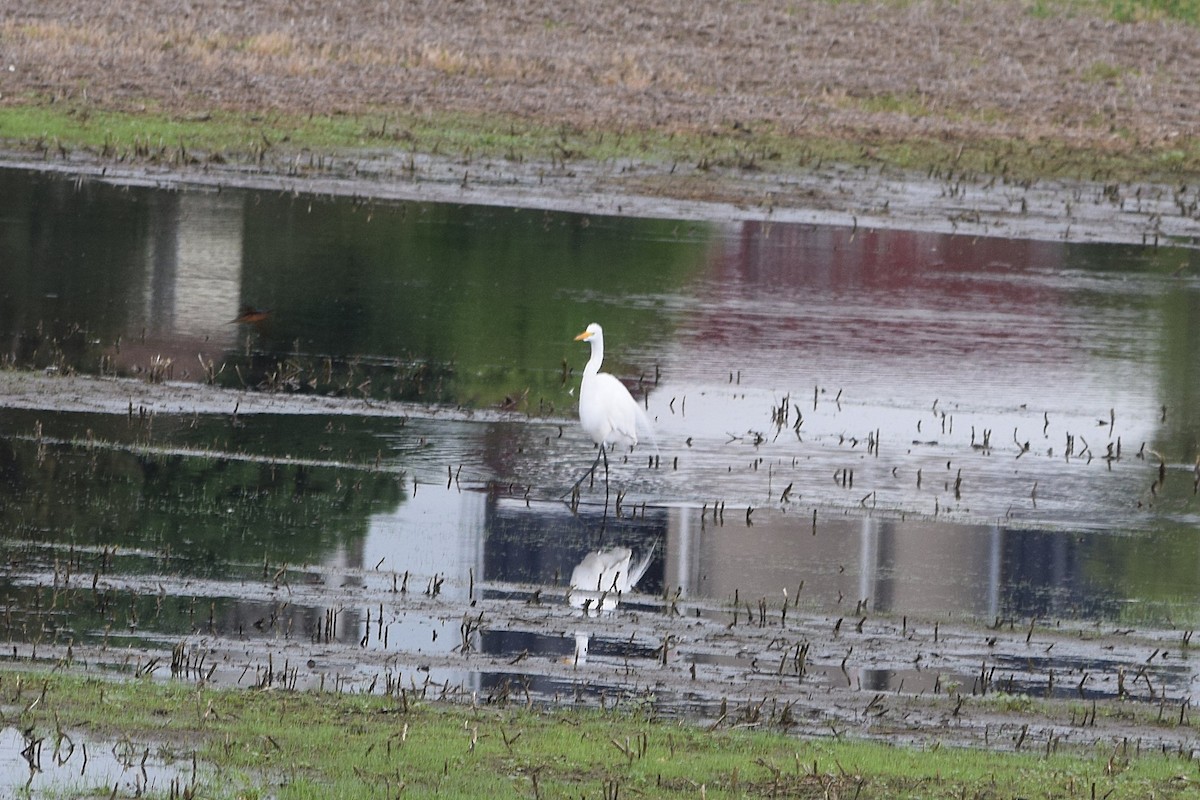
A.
pixel 863 70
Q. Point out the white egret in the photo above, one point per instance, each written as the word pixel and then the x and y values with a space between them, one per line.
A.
pixel 607 411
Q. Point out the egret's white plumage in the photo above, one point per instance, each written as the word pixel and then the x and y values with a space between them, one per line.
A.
pixel 607 411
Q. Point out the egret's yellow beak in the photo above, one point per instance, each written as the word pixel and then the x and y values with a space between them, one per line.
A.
pixel 583 337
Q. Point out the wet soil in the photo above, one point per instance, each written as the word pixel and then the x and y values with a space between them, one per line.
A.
pixel 854 198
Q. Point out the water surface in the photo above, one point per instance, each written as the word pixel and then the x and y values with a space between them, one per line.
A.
pixel 898 422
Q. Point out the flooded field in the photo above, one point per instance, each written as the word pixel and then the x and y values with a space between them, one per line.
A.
pixel 915 466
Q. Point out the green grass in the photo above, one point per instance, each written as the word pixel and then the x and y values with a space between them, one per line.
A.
pixel 59 130
pixel 1127 11
pixel 255 744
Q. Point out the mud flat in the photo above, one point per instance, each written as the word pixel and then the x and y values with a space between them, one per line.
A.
pixel 850 197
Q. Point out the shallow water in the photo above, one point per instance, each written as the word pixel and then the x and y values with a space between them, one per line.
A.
pixel 882 421
pixel 71 764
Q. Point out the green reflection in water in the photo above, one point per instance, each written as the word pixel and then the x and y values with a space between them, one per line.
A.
pixel 460 304
pixel 68 255
pixel 487 300
pixel 1162 568
pixel 208 516
pixel 1179 308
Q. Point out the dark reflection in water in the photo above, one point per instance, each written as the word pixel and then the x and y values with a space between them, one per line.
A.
pixel 892 421
pixel 187 513
pixel 399 301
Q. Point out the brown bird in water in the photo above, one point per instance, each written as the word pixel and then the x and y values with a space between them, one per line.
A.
pixel 251 316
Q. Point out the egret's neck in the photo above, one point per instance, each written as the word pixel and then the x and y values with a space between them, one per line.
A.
pixel 593 364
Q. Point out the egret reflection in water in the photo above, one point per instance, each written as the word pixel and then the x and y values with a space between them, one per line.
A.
pixel 598 583
pixel 603 576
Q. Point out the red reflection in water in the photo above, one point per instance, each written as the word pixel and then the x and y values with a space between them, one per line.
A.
pixel 842 259
pixel 845 300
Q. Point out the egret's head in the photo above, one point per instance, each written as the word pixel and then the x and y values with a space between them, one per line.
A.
pixel 593 331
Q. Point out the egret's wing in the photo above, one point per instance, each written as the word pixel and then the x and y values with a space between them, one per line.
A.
pixel 598 568
pixel 614 558
pixel 622 409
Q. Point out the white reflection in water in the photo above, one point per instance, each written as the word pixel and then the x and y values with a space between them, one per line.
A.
pixel 872 564
pixel 599 581
pixel 432 544
pixel 436 531
pixel 898 319
pixel 193 285
pixel 209 274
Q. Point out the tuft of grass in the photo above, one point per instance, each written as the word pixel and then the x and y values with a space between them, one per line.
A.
pixel 291 746
pixel 1103 72
pixel 910 103
pixel 1152 10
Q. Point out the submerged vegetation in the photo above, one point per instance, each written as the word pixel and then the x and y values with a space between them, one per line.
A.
pixel 239 743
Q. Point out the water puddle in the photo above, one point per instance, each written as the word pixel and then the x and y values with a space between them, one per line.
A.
pixel 72 764
pixel 368 473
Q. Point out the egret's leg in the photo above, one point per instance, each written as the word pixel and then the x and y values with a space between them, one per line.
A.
pixel 604 453
pixel 604 519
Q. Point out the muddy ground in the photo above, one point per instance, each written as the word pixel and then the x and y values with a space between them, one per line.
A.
pixel 971 71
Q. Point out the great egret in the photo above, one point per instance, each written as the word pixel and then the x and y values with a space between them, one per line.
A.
pixel 607 411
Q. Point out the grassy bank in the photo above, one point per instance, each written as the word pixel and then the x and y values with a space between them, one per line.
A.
pixel 1081 89
pixel 1125 10
pixel 59 131
pixel 258 744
